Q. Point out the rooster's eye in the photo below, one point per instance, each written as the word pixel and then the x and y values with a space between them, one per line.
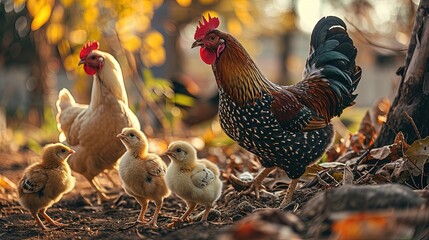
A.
pixel 212 38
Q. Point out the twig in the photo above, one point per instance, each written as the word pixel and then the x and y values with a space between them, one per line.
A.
pixel 143 92
pixel 360 160
pixel 410 119
pixel 370 42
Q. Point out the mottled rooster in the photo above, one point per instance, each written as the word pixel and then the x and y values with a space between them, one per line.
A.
pixel 285 126
pixel 91 129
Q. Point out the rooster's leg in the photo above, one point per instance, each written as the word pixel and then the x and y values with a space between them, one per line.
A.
pixel 257 182
pixel 289 192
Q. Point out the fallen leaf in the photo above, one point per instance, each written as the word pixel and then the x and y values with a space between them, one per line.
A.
pixel 418 155
pixel 6 183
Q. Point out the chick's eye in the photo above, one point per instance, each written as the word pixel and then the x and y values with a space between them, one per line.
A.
pixel 63 150
pixel 179 150
pixel 132 135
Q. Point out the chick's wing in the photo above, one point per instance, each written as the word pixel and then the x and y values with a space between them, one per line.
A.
pixel 155 167
pixel 34 181
pixel 202 177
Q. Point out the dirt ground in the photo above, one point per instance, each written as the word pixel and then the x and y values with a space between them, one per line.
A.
pixel 326 197
pixel 115 219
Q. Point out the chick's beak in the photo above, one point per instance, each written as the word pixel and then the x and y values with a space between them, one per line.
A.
pixel 120 135
pixel 168 152
pixel 197 43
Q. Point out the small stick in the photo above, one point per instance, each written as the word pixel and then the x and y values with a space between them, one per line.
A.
pixel 410 119
pixel 360 160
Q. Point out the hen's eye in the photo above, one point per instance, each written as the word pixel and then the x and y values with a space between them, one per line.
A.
pixel 179 150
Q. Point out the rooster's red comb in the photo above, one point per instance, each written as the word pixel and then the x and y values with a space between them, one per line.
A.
pixel 88 48
pixel 205 26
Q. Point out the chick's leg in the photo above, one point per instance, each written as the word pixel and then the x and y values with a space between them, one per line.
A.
pixel 257 182
pixel 289 193
pixel 191 207
pixel 143 203
pixel 206 214
pixel 39 222
pixel 154 220
pixel 50 220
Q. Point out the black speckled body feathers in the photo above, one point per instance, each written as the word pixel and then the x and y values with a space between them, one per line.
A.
pixel 288 126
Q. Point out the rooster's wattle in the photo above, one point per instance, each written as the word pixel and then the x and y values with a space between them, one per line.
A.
pixel 285 126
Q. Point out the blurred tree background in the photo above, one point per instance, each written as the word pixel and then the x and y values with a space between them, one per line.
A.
pixel 41 39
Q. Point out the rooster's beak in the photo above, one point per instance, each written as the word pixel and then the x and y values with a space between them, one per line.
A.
pixel 197 43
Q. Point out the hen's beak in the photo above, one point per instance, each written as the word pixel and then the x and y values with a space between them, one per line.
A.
pixel 197 43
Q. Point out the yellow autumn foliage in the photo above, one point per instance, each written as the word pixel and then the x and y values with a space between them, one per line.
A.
pixel 41 17
pixel 54 33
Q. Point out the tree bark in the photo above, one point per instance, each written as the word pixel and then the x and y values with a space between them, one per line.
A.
pixel 413 93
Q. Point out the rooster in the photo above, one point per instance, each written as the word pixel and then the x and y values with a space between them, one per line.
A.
pixel 285 126
pixel 91 129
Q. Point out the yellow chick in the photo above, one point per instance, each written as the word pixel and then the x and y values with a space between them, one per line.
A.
pixel 45 182
pixel 194 180
pixel 142 174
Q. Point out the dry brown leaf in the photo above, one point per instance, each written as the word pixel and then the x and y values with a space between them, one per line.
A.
pixel 418 156
pixel 6 183
pixel 365 225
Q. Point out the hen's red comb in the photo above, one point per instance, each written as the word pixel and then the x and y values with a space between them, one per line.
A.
pixel 88 48
pixel 205 26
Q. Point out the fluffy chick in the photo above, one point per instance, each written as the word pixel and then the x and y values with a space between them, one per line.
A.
pixel 194 180
pixel 45 182
pixel 142 174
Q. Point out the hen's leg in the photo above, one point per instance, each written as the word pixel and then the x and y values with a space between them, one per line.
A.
pixel 143 203
pixel 100 194
pixel 107 174
pixel 39 222
pixel 289 193
pixel 50 220
pixel 154 220
pixel 257 182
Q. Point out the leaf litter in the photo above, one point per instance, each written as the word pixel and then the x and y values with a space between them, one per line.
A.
pixel 358 192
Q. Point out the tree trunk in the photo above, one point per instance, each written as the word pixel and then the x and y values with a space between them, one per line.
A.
pixel 413 93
